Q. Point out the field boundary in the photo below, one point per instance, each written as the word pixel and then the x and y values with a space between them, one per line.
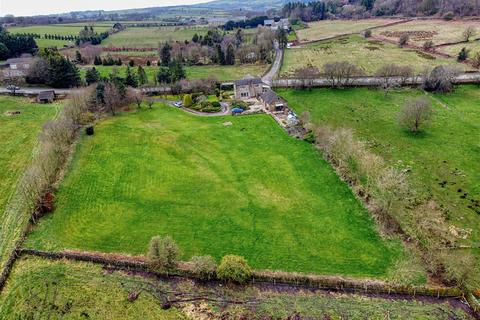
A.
pixel 333 283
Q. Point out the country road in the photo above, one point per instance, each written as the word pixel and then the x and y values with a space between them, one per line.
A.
pixel 277 64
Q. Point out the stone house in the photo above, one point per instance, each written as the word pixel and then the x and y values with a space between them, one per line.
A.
pixel 273 102
pixel 17 67
pixel 249 88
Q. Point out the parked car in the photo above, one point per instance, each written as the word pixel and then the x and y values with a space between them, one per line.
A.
pixel 178 104
pixel 13 88
pixel 237 111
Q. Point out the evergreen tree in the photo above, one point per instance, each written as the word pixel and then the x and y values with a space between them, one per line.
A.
pixel 463 55
pixel 177 71
pixel 220 55
pixel 92 76
pixel 131 63
pixel 62 73
pixel 230 57
pixel 78 57
pixel 165 54
pixel 164 75
pixel 97 61
pixel 131 78
pixel 142 76
pixel 195 38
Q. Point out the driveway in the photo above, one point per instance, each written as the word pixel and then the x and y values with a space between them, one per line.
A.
pixel 277 64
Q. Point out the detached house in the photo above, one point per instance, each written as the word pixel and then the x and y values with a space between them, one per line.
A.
pixel 249 88
pixel 17 67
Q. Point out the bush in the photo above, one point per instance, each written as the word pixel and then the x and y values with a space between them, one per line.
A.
pixel 203 267
pixel 462 55
pixel 163 253
pixel 403 39
pixel 89 131
pixel 309 137
pixel 234 268
pixel 449 16
pixel 187 101
pixel 368 33
pixel 428 45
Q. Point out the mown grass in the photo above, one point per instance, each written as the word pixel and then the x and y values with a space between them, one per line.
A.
pixel 18 135
pixel 443 161
pixel 366 54
pixel 445 31
pixel 57 29
pixel 329 28
pixel 221 73
pixel 44 289
pixel 152 37
pixel 246 189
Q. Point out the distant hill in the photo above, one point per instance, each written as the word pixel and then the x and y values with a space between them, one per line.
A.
pixel 254 5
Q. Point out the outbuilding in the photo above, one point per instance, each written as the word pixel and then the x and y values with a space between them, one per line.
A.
pixel 273 102
pixel 47 96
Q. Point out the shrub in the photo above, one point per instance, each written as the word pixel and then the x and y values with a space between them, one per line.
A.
pixel 368 33
pixel 163 253
pixel 203 267
pixel 415 113
pixel 440 79
pixel 476 60
pixel 462 55
pixel 449 16
pixel 187 101
pixel 309 137
pixel 89 131
pixel 428 45
pixel 234 268
pixel 403 39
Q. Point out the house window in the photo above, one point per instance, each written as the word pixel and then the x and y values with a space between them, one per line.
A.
pixel 13 66
pixel 244 94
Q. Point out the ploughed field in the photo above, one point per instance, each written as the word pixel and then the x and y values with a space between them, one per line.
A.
pixel 20 123
pixel 45 289
pixel 223 185
pixel 443 161
pixel 367 54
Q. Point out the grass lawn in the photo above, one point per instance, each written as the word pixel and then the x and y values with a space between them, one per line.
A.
pixel 329 28
pixel 221 73
pixel 437 30
pixel 152 37
pixel 246 189
pixel 18 135
pixel 367 54
pixel 444 160
pixel 59 29
pixel 44 289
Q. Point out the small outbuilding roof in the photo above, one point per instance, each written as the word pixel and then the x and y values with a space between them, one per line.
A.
pixel 46 95
pixel 270 97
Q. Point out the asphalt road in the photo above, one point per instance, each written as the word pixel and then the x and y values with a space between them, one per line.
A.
pixel 277 64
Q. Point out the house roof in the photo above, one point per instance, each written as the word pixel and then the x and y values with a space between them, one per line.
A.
pixel 46 95
pixel 267 22
pixel 248 81
pixel 19 60
pixel 270 97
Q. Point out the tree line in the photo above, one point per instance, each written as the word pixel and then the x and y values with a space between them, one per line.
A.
pixel 328 9
pixel 13 45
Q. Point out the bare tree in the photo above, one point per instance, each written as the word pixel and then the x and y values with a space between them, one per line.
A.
pixel 149 101
pixel 469 32
pixel 415 114
pixel 112 98
pixel 306 75
pixel 406 73
pixel 341 73
pixel 135 96
pixel 403 40
pixel 388 72
pixel 441 79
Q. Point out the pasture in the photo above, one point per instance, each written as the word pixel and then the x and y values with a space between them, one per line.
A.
pixel 74 290
pixel 221 73
pixel 330 28
pixel 18 134
pixel 151 37
pixel 367 54
pixel 57 29
pixel 222 185
pixel 443 161
pixel 437 30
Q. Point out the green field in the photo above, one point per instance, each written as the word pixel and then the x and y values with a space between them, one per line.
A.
pixel 221 73
pixel 152 37
pixel 329 28
pixel 44 289
pixel 18 135
pixel 443 161
pixel 247 189
pixel 366 54
pixel 58 29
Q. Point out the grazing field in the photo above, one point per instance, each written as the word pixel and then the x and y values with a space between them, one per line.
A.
pixel 454 50
pixel 439 31
pixel 43 289
pixel 57 29
pixel 221 73
pixel 152 37
pixel 366 54
pixel 331 28
pixel 443 161
pixel 217 188
pixel 73 290
pixel 18 135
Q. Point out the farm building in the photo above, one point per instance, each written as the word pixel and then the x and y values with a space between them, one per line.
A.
pixel 249 88
pixel 273 102
pixel 47 96
pixel 17 67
